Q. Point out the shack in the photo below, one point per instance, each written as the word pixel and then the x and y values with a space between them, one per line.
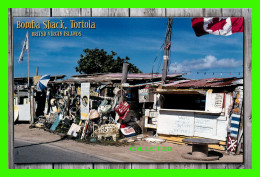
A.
pixel 199 108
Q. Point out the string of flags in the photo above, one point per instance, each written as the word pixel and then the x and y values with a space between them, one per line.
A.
pixel 210 73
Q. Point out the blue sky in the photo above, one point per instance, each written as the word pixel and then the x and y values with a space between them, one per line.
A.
pixel 138 38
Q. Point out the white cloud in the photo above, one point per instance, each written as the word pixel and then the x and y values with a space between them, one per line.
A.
pixel 206 63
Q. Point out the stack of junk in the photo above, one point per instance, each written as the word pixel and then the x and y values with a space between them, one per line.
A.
pixel 99 107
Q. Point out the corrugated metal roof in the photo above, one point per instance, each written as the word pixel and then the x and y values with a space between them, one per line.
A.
pixel 110 78
pixel 118 76
pixel 209 82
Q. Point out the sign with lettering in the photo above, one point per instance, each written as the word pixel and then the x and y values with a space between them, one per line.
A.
pixel 84 100
pixel 205 126
pixel 107 128
pixel 214 102
pixel 175 123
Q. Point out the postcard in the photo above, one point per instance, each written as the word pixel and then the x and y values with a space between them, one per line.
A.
pixel 128 89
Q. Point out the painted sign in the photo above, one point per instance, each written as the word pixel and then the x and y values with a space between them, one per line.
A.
pixel 122 110
pixel 191 124
pixel 175 123
pixel 128 131
pixel 205 125
pixel 84 106
pixel 232 144
pixel 214 102
pixel 145 96
pixel 108 128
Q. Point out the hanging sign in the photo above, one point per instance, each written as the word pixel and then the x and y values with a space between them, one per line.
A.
pixel 215 102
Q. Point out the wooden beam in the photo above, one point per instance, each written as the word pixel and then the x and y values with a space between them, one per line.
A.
pixel 10 92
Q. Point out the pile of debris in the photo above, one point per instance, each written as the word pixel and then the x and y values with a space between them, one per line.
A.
pixel 112 118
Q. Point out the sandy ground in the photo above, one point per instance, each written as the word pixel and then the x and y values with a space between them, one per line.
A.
pixel 116 153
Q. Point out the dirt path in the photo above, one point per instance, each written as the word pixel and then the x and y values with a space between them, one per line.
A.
pixel 116 153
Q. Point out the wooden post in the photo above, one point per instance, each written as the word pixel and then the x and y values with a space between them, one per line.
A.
pixel 166 50
pixel 10 92
pixel 32 104
pixel 37 69
pixel 124 73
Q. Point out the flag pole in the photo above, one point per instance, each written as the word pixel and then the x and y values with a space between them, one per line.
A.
pixel 28 60
pixel 28 73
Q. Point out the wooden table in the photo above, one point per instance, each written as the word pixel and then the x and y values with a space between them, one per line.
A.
pixel 199 149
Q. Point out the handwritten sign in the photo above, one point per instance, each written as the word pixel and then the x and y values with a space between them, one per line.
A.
pixel 214 102
pixel 205 126
pixel 175 123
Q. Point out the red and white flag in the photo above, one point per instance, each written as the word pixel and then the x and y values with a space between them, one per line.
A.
pixel 224 26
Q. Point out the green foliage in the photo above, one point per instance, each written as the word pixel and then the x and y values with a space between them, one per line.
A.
pixel 98 61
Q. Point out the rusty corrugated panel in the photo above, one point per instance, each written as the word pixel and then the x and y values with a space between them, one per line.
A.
pixel 175 83
pixel 209 82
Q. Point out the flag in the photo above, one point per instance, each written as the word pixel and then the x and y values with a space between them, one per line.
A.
pixel 224 26
pixel 25 47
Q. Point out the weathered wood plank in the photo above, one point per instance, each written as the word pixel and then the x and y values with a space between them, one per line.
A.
pixel 187 166
pixel 225 166
pixel 100 12
pixel 150 166
pixel 184 12
pixel 247 14
pixel 86 12
pixel 68 12
pixel 232 12
pixel 33 166
pixel 112 166
pixel 10 92
pixel 31 12
pixel 212 12
pixel 73 166
pixel 111 12
pixel 145 12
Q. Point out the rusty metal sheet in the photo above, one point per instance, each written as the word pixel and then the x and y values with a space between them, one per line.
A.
pixel 109 78
pixel 209 82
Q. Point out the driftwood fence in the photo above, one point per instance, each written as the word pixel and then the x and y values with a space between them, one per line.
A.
pixel 139 12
